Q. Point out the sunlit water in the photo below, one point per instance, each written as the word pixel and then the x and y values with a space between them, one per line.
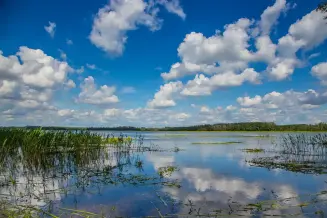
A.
pixel 212 177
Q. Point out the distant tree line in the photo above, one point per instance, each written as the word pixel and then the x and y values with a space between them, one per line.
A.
pixel 248 126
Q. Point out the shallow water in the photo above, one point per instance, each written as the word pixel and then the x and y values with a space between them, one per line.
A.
pixel 212 177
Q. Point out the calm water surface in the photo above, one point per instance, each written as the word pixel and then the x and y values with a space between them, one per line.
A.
pixel 212 177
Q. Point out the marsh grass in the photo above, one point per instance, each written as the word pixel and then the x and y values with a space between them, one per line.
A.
pixel 303 144
pixel 34 162
pixel 300 153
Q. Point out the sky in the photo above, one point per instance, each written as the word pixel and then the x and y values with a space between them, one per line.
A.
pixel 162 62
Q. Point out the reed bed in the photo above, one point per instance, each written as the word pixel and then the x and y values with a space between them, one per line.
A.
pixel 299 153
pixel 33 164
pixel 304 143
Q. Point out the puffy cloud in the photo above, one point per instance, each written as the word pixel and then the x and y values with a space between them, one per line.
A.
pixel 197 87
pixel 306 33
pixel 231 45
pixel 282 68
pixel 180 116
pixel 270 16
pixel 65 112
pixel 228 51
pixel 38 69
pixel 90 94
pixel 231 108
pixel 320 71
pixel 309 29
pixel 215 54
pixel 265 49
pixel 248 102
pixel 144 116
pixel 51 29
pixel 311 97
pixel 112 22
pixel 164 97
pixel 202 85
pixel 7 88
pixel 28 80
pixel 112 112
pixel 287 100
pixel 70 84
pixel 204 109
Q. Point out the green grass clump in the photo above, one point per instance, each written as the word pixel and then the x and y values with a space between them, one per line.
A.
pixel 38 141
pixel 118 141
pixel 215 143
pixel 306 167
pixel 253 150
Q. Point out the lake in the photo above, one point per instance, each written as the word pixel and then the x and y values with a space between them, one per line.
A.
pixel 184 174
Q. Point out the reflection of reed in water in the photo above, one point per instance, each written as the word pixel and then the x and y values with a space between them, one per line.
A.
pixel 38 180
pixel 38 168
pixel 303 144
pixel 302 153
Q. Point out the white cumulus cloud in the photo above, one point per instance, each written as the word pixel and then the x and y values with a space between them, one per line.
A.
pixel 112 22
pixel 91 94
pixel 164 97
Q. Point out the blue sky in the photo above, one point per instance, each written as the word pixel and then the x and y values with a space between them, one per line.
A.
pixel 162 62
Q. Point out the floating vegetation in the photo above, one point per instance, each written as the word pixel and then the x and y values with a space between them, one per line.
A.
pixel 167 171
pixel 176 149
pixel 300 153
pixel 277 162
pixel 215 143
pixel 253 150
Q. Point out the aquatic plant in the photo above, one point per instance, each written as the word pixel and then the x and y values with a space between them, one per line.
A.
pixel 303 143
pixel 278 162
pixel 167 171
pixel 36 159
pixel 253 150
pixel 118 141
